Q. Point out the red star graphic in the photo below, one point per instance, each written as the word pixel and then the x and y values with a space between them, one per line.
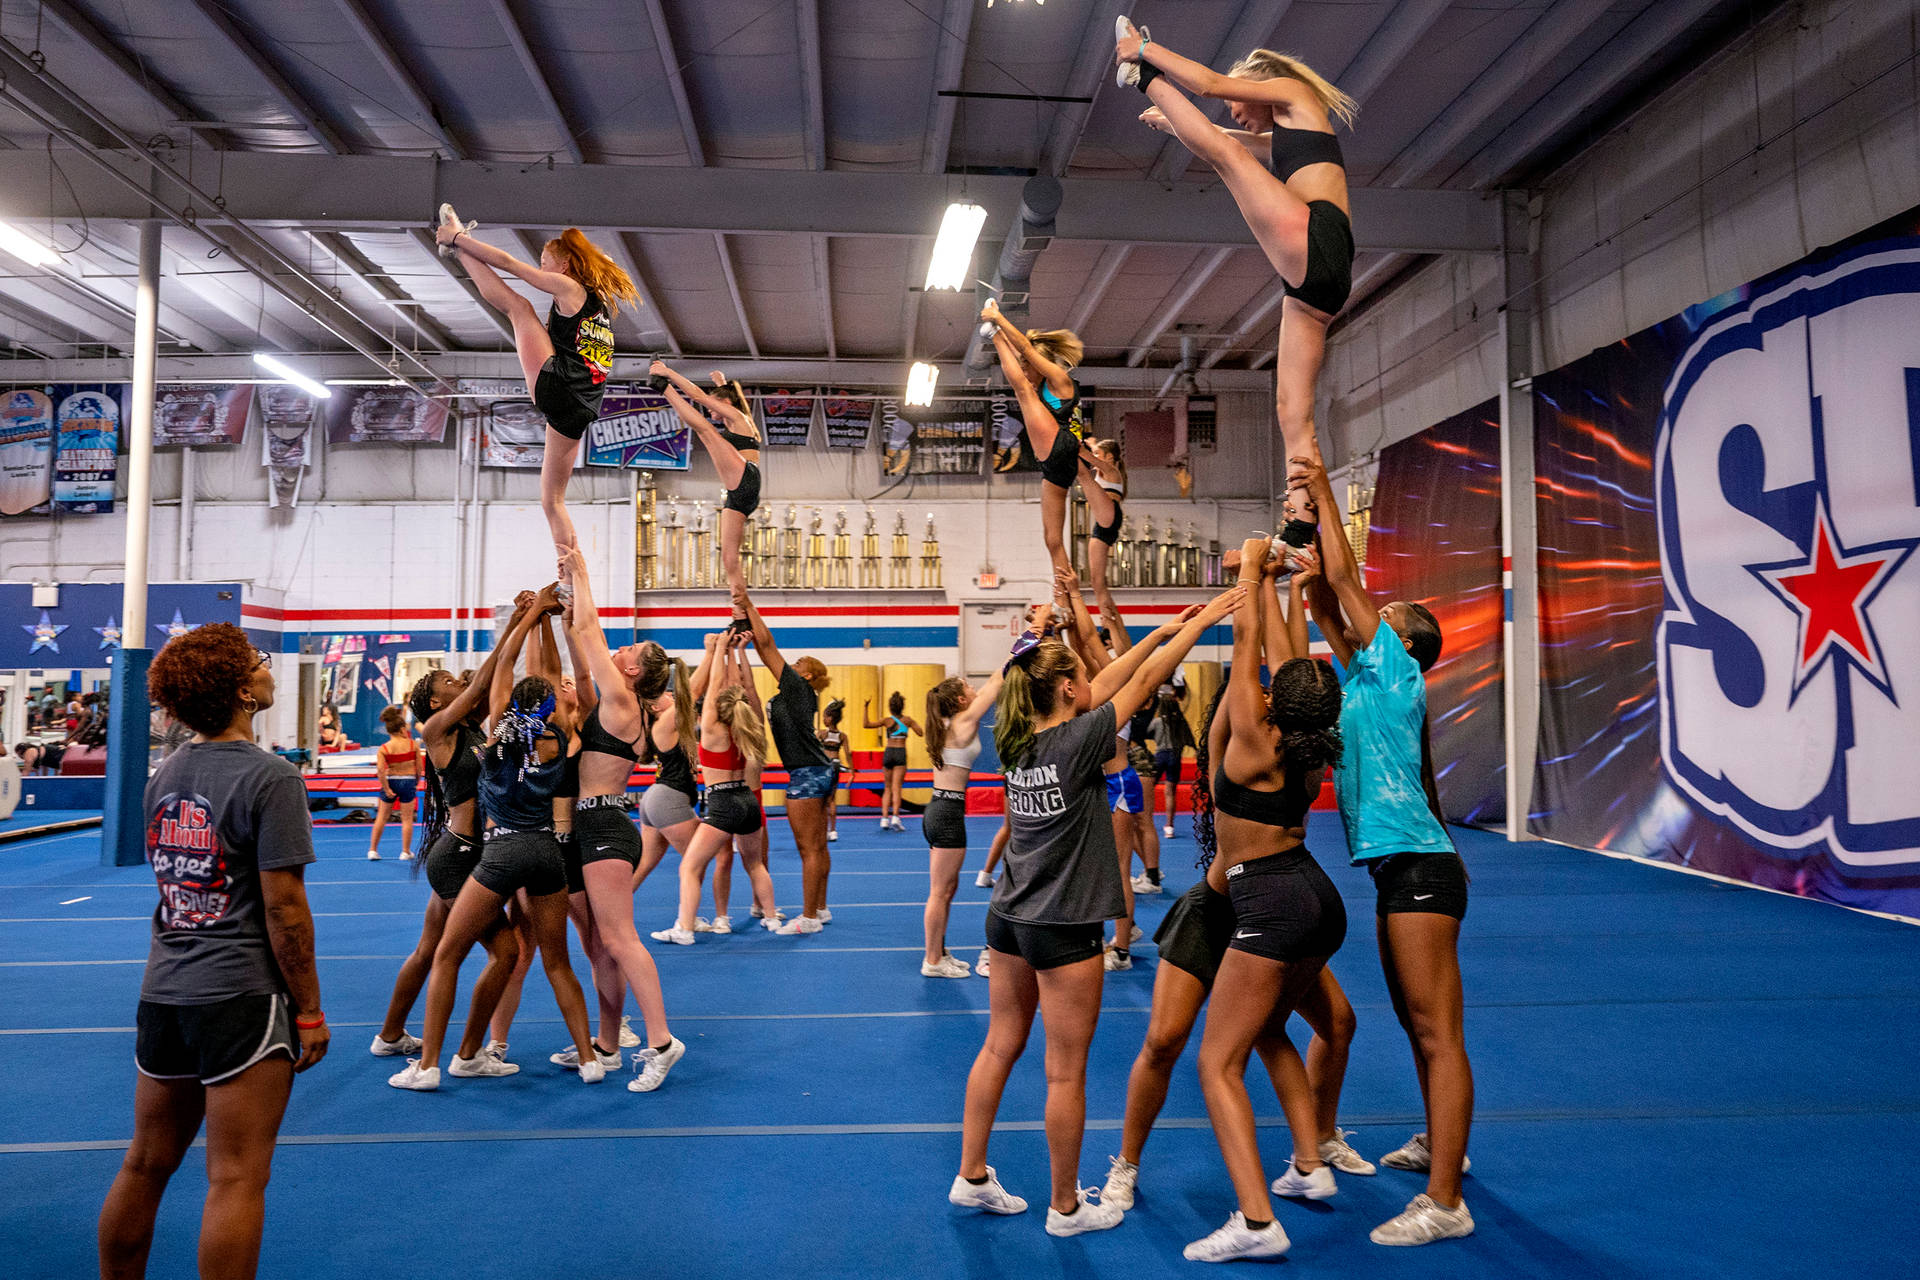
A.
pixel 1831 592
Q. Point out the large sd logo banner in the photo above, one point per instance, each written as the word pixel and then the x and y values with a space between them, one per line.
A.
pixel 1731 662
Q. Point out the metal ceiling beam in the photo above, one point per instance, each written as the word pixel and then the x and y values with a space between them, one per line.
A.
pixel 676 84
pixel 823 290
pixel 949 68
pixel 1389 46
pixel 82 28
pixel 344 193
pixel 218 16
pixel 653 320
pixel 537 77
pixel 368 30
pixel 372 277
pixel 1091 65
pixel 1112 258
pixel 1543 41
pixel 1253 318
pixel 813 93
pixel 217 291
pixel 1251 30
pixel 458 274
pixel 1656 30
pixel 733 291
pixel 1177 302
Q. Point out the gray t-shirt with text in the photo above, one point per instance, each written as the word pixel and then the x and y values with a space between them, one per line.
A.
pixel 1061 866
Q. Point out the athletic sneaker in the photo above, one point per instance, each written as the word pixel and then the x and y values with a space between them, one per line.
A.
pixel 1117 960
pixel 988 1195
pixel 1143 885
pixel 1089 1215
pixel 394 1048
pixel 653 1065
pixel 406 855
pixel 373 855
pixel 825 916
pixel 1238 1240
pixel 675 934
pixel 1137 934
pixel 946 967
pixel 1317 1185
pixel 449 218
pixel 569 1057
pixel 983 880
pixel 629 1039
pixel 497 1050
pixel 1127 74
pixel 1337 1153
pixel 592 1073
pixel 798 925
pixel 1422 1222
pixel 702 925
pixel 980 965
pixel 1122 1177
pixel 773 925
pixel 722 924
pixel 779 916
pixel 415 1077
pixel 1417 1157
pixel 1167 831
pixel 833 836
pixel 481 1064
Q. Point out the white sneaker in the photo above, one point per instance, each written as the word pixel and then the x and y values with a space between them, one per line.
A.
pixel 946 967
pixel 1090 1215
pixel 1127 74
pixel 449 218
pixel 481 1064
pixel 702 925
pixel 1137 934
pixel 722 924
pixel 1318 1185
pixel 569 1057
pixel 1417 1157
pixel 798 925
pixel 629 1039
pixel 373 855
pixel 416 1077
pixel 1238 1240
pixel 989 1195
pixel 833 836
pixel 1122 1177
pixel 825 916
pixel 1142 884
pixel 593 1072
pixel 980 965
pixel 983 880
pixel 1337 1153
pixel 653 1065
pixel 674 934
pixel 1422 1222
pixel 1167 831
pixel 394 1048
pixel 406 856
pixel 1117 960
pixel 496 1049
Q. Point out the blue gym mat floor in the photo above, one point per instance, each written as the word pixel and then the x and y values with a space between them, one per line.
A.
pixel 1676 1077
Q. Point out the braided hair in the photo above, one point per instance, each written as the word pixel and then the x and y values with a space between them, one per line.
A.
pixel 1304 704
pixel 434 814
pixel 524 722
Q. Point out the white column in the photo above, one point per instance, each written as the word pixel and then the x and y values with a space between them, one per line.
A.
pixel 146 317
pixel 1519 534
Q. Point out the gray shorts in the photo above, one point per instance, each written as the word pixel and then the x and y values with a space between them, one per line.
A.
pixel 662 807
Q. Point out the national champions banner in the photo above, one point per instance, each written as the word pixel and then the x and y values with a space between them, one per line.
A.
pixel 86 449
pixel 638 428
pixel 1729 674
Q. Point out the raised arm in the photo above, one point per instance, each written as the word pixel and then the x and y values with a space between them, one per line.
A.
pixel 866 716
pixel 1306 570
pixel 1085 639
pixel 1108 683
pixel 1333 623
pixel 703 674
pixel 441 722
pixel 500 689
pixel 1058 380
pixel 1337 562
pixel 738 646
pixel 1246 701
pixel 689 390
pixel 1198 78
pixel 567 293
pixel 1165 658
pixel 770 656
pixel 966 721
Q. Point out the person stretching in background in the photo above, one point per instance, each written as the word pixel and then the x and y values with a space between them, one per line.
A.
pixel 397 762
pixel 893 761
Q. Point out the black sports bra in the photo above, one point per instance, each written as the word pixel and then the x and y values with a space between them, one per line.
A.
pixel 744 443
pixel 1295 149
pixel 460 780
pixel 1285 808
pixel 593 737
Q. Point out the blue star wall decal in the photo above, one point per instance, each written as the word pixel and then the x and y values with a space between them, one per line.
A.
pixel 109 634
pixel 174 628
pixel 45 633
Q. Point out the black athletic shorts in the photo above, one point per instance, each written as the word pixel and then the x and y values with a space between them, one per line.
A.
pixel 1109 533
pixel 1196 931
pixel 606 831
pixel 1285 908
pixel 450 860
pixel 1429 882
pixel 1045 946
pixel 514 860
pixel 212 1043
pixel 1329 277
pixel 570 859
pixel 944 821
pixel 1061 466
pixel 894 757
pixel 745 496
pixel 734 808
pixel 564 410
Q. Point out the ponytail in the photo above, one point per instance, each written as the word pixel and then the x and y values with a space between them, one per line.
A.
pixel 735 710
pixel 1203 836
pixel 1304 704
pixel 1027 695
pixel 1265 64
pixel 588 263
pixel 942 701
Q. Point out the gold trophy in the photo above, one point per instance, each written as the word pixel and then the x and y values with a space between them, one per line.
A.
pixel 702 548
pixel 900 570
pixel 930 556
pixel 1190 559
pixel 1077 533
pixel 646 533
pixel 1144 562
pixel 840 570
pixel 790 549
pixel 676 569
pixel 816 566
pixel 1120 559
pixel 765 545
pixel 870 555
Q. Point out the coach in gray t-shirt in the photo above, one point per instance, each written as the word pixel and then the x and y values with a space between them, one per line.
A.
pixel 1061 865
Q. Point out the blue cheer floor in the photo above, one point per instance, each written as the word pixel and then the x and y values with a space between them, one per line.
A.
pixel 1676 1078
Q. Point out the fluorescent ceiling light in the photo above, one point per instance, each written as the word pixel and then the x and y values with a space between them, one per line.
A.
pixel 953 247
pixel 25 247
pixel 273 364
pixel 920 384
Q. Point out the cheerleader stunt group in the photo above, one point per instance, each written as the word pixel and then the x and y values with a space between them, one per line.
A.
pixel 529 823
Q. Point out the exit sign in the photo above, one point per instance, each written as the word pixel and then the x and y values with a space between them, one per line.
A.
pixel 987 581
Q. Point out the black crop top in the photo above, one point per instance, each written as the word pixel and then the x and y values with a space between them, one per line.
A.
pixel 1285 808
pixel 595 737
pixel 1295 149
pixel 675 770
pixel 460 780
pixel 744 443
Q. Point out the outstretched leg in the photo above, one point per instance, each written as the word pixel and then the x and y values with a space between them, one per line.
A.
pixel 1053 522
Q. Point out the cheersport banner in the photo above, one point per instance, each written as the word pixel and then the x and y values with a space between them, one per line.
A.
pixel 87 441
pixel 1729 678
pixel 945 438
pixel 384 415
pixel 26 450
pixel 638 428
pixel 1434 539
pixel 786 417
pixel 201 416
pixel 848 418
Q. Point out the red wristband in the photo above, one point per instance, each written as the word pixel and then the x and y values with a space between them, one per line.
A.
pixel 314 1023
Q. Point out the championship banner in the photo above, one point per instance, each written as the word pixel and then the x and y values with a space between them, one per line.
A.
pixel 87 441
pixel 638 428
pixel 26 451
pixel 945 438
pixel 786 418
pixel 205 417
pixel 1727 675
pixel 848 418
pixel 1011 450
pixel 512 432
pixel 384 415
pixel 286 441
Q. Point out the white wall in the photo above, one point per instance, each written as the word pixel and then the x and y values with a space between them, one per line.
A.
pixel 1672 208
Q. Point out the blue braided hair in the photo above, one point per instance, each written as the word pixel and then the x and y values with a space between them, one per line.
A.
pixel 524 722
